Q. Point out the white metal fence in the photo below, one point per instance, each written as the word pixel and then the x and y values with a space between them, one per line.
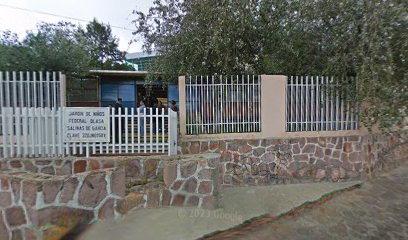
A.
pixel 35 132
pixel 31 89
pixel 320 104
pixel 223 104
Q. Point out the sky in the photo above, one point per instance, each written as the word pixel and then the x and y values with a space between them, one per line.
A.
pixel 116 13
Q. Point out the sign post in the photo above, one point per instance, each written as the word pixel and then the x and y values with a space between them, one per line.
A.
pixel 86 125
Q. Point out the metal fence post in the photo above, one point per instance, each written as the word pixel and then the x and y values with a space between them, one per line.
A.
pixel 172 132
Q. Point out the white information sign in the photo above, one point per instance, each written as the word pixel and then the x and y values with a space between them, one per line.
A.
pixel 86 125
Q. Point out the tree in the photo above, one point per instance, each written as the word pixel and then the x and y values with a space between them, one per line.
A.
pixel 103 46
pixel 201 37
pixel 62 47
pixel 57 47
pixel 53 47
pixel 13 54
pixel 366 39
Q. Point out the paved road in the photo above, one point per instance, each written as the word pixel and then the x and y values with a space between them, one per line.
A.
pixel 378 210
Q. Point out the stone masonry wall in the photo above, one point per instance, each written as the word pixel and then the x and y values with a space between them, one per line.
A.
pixel 42 206
pixel 263 161
pixel 191 181
pixel 47 198
pixel 135 167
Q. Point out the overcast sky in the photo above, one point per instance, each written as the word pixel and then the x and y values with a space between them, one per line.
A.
pixel 116 13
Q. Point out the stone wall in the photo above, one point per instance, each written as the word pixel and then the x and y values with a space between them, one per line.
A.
pixel 47 198
pixel 263 161
pixel 135 167
pixel 191 181
pixel 43 206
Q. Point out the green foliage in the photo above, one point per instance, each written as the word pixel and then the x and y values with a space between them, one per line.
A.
pixel 56 47
pixel 12 54
pixel 103 46
pixel 366 39
pixel 62 47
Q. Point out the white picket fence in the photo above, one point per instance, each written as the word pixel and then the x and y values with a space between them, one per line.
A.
pixel 38 132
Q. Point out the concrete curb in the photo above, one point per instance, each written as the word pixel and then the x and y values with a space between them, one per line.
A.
pixel 254 222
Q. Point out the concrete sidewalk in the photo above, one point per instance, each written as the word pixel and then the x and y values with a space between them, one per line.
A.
pixel 237 205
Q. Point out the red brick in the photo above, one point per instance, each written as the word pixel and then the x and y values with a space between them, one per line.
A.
pixel 80 166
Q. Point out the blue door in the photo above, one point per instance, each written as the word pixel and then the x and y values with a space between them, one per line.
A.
pixel 110 92
pixel 173 94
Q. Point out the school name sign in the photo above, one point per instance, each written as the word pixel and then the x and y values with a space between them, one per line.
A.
pixel 86 125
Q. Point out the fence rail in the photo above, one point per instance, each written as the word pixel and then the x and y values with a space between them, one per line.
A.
pixel 321 104
pixel 31 89
pixel 38 132
pixel 223 104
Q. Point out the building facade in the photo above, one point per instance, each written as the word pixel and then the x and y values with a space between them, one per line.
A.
pixel 103 87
